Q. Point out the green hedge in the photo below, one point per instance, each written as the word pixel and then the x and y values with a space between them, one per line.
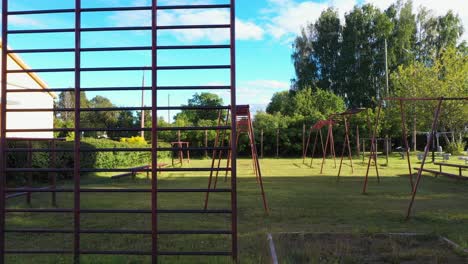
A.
pixel 101 160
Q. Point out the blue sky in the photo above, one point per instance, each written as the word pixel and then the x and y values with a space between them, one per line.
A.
pixel 265 30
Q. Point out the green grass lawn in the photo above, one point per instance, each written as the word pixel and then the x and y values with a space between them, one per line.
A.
pixel 300 199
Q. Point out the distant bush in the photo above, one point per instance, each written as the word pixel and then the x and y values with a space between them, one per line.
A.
pixel 101 160
pixel 133 140
pixel 457 147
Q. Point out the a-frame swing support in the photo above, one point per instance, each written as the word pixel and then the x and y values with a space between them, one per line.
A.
pixel 435 121
pixel 243 123
pixel 347 142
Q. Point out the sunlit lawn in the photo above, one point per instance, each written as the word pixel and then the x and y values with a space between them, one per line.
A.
pixel 300 199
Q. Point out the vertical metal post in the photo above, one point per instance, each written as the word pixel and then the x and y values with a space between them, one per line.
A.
pixel 358 147
pixel 213 157
pixel 142 118
pixel 234 249
pixel 277 142
pixel 350 155
pixel 325 149
pixel 405 140
pixel 332 144
pixel 53 177
pixel 154 133
pixel 313 148
pixel 3 128
pixel 303 142
pixel 414 134
pixel 306 149
pixel 387 145
pixel 373 150
pixel 426 151
pixel 206 144
pixel 363 150
pixel 29 174
pixel 261 144
pixel 76 170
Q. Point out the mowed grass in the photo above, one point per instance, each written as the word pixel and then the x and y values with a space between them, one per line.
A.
pixel 300 200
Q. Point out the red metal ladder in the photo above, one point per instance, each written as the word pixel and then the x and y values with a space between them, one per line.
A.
pixel 76 210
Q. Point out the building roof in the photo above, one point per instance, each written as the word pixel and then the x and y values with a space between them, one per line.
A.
pixel 17 59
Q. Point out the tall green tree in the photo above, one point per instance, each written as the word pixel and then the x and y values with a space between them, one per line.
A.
pixel 202 99
pixel 446 77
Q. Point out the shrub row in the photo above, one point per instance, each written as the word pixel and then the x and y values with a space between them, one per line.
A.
pixel 101 160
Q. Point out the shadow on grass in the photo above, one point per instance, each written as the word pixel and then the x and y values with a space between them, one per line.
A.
pixel 305 204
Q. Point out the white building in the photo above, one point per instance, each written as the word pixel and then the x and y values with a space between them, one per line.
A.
pixel 27 120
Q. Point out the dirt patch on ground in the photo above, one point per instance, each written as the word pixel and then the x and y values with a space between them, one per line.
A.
pixel 348 248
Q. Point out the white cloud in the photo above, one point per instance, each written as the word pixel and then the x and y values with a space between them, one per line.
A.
pixel 285 18
pixel 246 30
pixel 267 84
pixel 256 93
pixel 438 8
pixel 24 21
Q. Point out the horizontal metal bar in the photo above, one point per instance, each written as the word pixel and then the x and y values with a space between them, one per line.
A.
pixel 42 31
pixel 39 12
pixel 181 47
pixel 116 129
pixel 116 9
pixel 42 70
pixel 25 139
pixel 117 211
pixel 40 231
pixel 34 210
pixel 109 49
pixel 12 150
pixel 129 232
pixel 11 170
pixel 18 51
pixel 192 169
pixel 139 170
pixel 194 253
pixel 104 190
pixel 102 252
pixel 101 109
pixel 161 253
pixel 101 69
pixel 103 29
pixel 38 170
pixel 115 252
pixel 198 67
pixel 213 26
pixel 220 87
pixel 120 89
pixel 36 190
pixel 173 7
pixel 38 252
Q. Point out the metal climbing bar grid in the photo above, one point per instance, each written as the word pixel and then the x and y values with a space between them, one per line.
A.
pixel 76 210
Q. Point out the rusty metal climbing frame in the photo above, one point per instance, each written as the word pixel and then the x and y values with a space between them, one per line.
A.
pixel 244 125
pixel 76 210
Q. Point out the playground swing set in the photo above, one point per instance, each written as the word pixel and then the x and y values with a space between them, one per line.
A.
pixel 330 140
pixel 414 183
pixel 243 125
pixel 317 127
